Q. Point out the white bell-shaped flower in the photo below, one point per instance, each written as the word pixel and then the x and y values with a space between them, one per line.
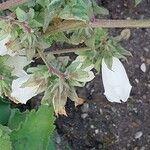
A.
pixel 116 83
pixel 21 94
pixel 3 48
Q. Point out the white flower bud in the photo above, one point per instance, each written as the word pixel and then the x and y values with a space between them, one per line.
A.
pixel 116 83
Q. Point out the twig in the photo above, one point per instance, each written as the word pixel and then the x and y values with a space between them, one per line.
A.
pixel 51 68
pixel 102 23
pixel 69 50
pixel 11 3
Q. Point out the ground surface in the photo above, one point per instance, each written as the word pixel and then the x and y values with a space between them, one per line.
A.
pixel 100 125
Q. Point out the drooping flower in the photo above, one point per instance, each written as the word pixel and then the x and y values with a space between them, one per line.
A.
pixel 116 83
pixel 21 94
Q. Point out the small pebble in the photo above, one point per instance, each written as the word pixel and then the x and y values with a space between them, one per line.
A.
pixel 96 131
pixel 83 116
pixel 144 97
pixel 142 148
pixel 58 139
pixel 138 134
pixel 143 67
pixel 136 148
pixel 92 126
pixel 136 66
pixel 100 146
pixel 148 61
pixel 101 111
pixel 137 81
pixel 146 49
pixel 92 91
pixel 85 107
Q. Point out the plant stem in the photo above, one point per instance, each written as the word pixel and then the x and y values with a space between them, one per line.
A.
pixel 103 23
pixel 69 50
pixel 51 68
pixel 11 3
pixel 97 23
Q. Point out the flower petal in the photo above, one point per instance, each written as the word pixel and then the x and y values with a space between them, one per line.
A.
pixel 116 83
pixel 22 95
pixel 3 48
pixel 18 63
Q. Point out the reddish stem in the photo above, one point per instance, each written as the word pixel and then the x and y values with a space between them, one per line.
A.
pixel 11 3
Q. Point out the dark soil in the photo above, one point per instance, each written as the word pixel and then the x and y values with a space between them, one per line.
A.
pixel 99 124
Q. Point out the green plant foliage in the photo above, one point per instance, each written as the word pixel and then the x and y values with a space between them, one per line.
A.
pixel 16 118
pixel 98 10
pixel 103 46
pixel 4 111
pixel 40 24
pixel 5 143
pixel 35 131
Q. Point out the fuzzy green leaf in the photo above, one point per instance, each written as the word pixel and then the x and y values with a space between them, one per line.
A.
pixel 99 10
pixel 36 130
pixel 16 118
pixel 5 143
pixel 21 14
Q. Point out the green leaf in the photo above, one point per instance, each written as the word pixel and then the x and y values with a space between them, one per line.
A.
pixel 31 13
pixel 16 118
pixel 48 16
pixel 97 64
pixel 21 14
pixel 36 130
pixel 5 143
pixel 73 66
pixel 35 24
pixel 43 3
pixel 75 83
pixel 98 10
pixel 3 35
pixel 51 145
pixel 108 62
pixel 77 11
pixel 80 74
pixel 4 111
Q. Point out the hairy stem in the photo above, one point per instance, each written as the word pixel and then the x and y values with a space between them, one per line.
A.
pixel 11 3
pixel 97 23
pixel 51 68
pixel 102 23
